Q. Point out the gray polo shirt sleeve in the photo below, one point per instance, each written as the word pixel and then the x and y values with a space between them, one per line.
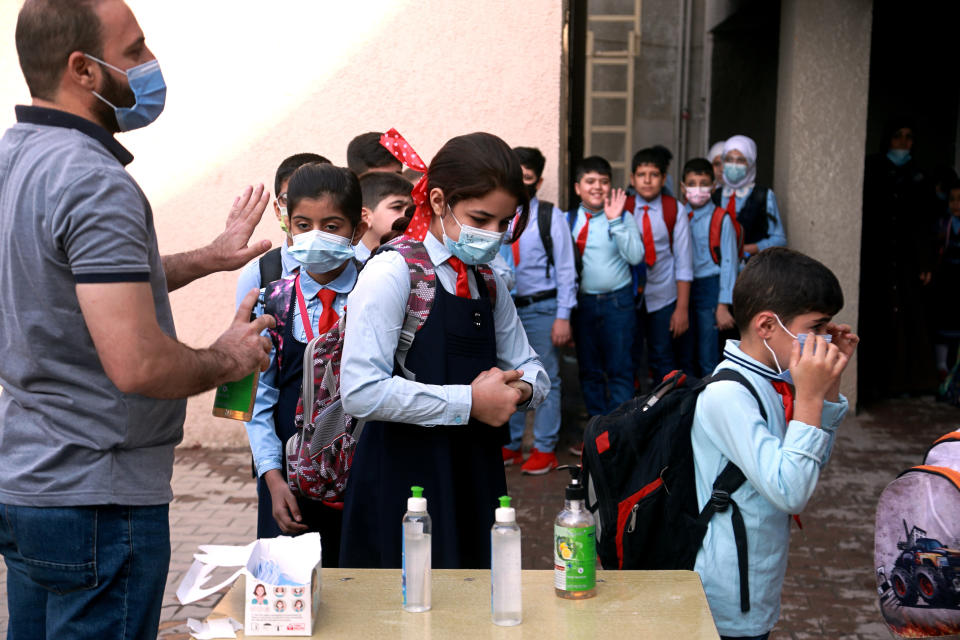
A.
pixel 99 226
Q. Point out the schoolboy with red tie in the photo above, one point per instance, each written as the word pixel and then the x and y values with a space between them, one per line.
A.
pixel 668 256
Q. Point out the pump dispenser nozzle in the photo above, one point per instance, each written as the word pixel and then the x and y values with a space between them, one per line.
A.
pixel 575 490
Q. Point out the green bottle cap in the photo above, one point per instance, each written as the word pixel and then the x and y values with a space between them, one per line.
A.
pixel 504 502
pixel 417 492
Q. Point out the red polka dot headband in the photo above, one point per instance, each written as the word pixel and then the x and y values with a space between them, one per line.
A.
pixel 419 225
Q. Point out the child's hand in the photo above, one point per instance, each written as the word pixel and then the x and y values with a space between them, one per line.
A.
pixel 285 509
pixel 844 338
pixel 561 334
pixel 494 400
pixel 816 373
pixel 613 204
pixel 679 322
pixel 724 319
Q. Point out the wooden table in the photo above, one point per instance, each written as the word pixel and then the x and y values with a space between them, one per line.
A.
pixel 366 603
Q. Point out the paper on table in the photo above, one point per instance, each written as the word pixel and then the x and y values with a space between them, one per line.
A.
pixel 211 629
pixel 295 557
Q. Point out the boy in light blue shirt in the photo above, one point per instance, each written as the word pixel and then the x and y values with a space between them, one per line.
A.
pixel 794 356
pixel 715 264
pixel 545 295
pixel 607 240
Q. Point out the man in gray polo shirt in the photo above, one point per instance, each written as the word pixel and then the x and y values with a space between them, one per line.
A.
pixel 93 376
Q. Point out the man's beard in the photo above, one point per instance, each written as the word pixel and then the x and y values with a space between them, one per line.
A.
pixel 119 95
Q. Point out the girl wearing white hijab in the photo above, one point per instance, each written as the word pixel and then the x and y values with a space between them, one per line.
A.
pixel 755 207
pixel 715 156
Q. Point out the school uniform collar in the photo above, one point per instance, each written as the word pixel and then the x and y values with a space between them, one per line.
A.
pixel 703 211
pixel 582 210
pixel 742 192
pixel 343 283
pixel 30 114
pixel 733 353
pixel 437 251
pixel 290 264
pixel 655 205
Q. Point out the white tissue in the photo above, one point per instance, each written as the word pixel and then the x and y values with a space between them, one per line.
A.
pixel 211 629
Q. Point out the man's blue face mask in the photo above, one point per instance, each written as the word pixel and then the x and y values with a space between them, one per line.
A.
pixel 898 157
pixel 149 90
pixel 784 374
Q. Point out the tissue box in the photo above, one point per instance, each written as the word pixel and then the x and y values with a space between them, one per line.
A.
pixel 281 610
pixel 282 582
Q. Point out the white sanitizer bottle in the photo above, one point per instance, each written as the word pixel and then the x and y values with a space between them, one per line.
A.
pixel 505 598
pixel 416 553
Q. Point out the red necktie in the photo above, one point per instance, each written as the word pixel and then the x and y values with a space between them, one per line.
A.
pixel 732 206
pixel 786 394
pixel 649 250
pixel 515 247
pixel 328 317
pixel 463 286
pixel 584 232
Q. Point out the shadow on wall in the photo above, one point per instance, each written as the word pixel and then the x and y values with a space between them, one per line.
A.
pixel 244 93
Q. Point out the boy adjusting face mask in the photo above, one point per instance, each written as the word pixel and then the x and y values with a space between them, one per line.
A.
pixel 474 246
pixel 784 374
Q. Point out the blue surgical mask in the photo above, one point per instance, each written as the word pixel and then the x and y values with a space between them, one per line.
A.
pixel 475 246
pixel 733 172
pixel 320 252
pixel 784 374
pixel 149 90
pixel 898 157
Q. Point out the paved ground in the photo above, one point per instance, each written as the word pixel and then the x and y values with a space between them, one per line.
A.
pixel 830 586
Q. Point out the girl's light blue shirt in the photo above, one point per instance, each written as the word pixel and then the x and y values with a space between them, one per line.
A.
pixel 377 309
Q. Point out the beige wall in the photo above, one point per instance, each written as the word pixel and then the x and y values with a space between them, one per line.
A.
pixel 821 132
pixel 249 85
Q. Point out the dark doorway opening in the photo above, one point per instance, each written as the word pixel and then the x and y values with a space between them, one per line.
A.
pixel 913 83
pixel 743 80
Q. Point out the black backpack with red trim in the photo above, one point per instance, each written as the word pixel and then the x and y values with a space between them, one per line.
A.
pixel 638 470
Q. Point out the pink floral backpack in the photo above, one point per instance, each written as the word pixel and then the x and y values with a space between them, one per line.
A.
pixel 917 545
pixel 320 453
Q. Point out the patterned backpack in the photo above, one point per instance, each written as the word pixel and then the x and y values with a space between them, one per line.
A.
pixel 917 545
pixel 320 453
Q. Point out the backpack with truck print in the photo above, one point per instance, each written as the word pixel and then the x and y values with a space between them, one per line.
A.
pixel 917 545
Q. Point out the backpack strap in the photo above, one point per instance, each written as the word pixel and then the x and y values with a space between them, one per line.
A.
pixel 544 220
pixel 271 266
pixel 669 215
pixel 277 296
pixel 629 205
pixel 423 289
pixel 577 258
pixel 729 480
pixel 716 233
pixel 489 280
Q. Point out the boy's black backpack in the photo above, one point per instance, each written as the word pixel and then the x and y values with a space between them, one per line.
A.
pixel 638 469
